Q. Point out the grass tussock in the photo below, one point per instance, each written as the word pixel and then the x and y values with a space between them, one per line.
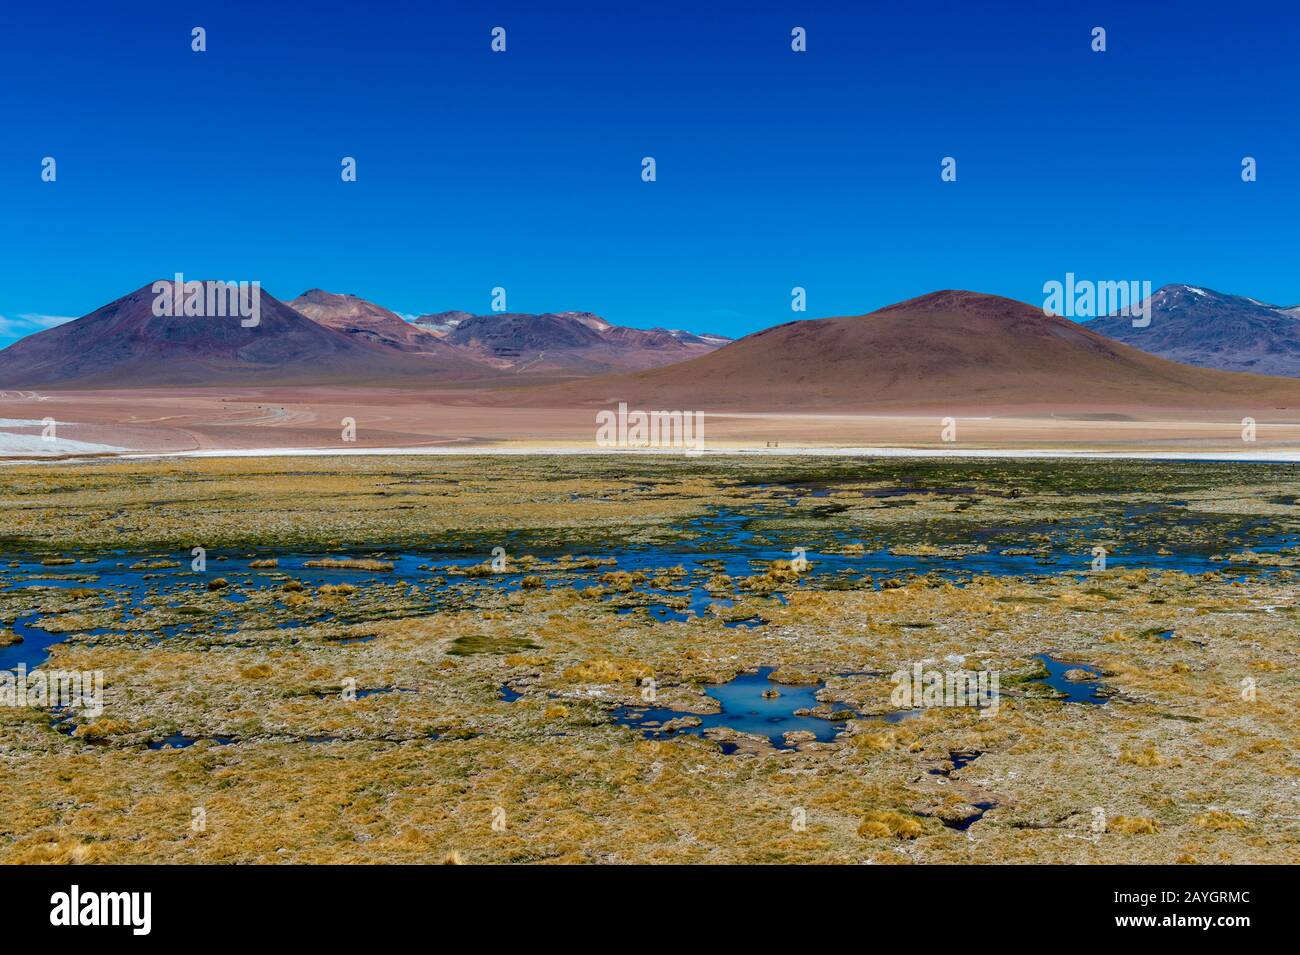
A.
pixel 889 824
pixel 607 671
pixel 1216 820
pixel 350 563
pixel 1133 826
pixel 1145 756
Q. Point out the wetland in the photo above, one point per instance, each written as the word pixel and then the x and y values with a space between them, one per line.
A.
pixel 644 659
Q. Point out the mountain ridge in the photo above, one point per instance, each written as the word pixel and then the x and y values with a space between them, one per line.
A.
pixel 146 349
pixel 951 346
pixel 124 343
pixel 1211 329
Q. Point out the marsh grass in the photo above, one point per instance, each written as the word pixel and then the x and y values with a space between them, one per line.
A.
pixel 350 563
pixel 1185 768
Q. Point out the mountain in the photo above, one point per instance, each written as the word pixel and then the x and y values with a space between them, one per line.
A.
pixel 368 322
pixel 949 349
pixel 325 337
pixel 554 343
pixel 566 343
pixel 1203 327
pixel 124 344
pixel 440 323
pixel 690 338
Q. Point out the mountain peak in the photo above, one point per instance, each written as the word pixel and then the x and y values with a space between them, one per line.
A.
pixel 320 295
pixel 957 300
pixel 1200 326
pixel 367 321
pixel 124 343
pixel 562 343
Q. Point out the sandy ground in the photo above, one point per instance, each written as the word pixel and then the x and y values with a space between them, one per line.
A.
pixel 312 420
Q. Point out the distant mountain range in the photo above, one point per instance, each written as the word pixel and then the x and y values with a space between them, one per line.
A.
pixel 1199 326
pixel 124 344
pixel 323 337
pixel 568 342
pixel 945 348
pixel 951 349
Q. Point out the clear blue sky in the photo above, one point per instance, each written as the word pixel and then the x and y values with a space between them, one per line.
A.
pixel 522 169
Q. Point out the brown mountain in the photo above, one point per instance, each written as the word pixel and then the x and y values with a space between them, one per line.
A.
pixel 567 343
pixel 368 322
pixel 1200 326
pixel 943 350
pixel 124 344
pixel 554 344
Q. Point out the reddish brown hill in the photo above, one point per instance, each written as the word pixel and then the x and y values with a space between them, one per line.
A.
pixel 949 348
pixel 368 322
pixel 124 344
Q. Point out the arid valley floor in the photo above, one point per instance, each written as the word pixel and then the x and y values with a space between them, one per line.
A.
pixel 291 420
pixel 501 713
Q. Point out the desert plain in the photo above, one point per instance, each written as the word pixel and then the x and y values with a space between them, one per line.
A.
pixel 313 418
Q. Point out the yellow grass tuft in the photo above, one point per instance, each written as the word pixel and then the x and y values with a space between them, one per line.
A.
pixel 350 563
pixel 622 581
pixel 1144 756
pixel 1216 820
pixel 102 729
pixel 607 671
pixel 62 853
pixel 886 823
pixel 878 742
pixel 1133 826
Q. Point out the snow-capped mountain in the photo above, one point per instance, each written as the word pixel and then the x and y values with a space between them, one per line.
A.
pixel 1199 326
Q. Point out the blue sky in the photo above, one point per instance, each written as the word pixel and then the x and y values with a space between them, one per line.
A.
pixel 522 169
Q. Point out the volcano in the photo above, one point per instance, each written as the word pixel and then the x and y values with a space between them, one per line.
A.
pixel 946 350
pixel 124 344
